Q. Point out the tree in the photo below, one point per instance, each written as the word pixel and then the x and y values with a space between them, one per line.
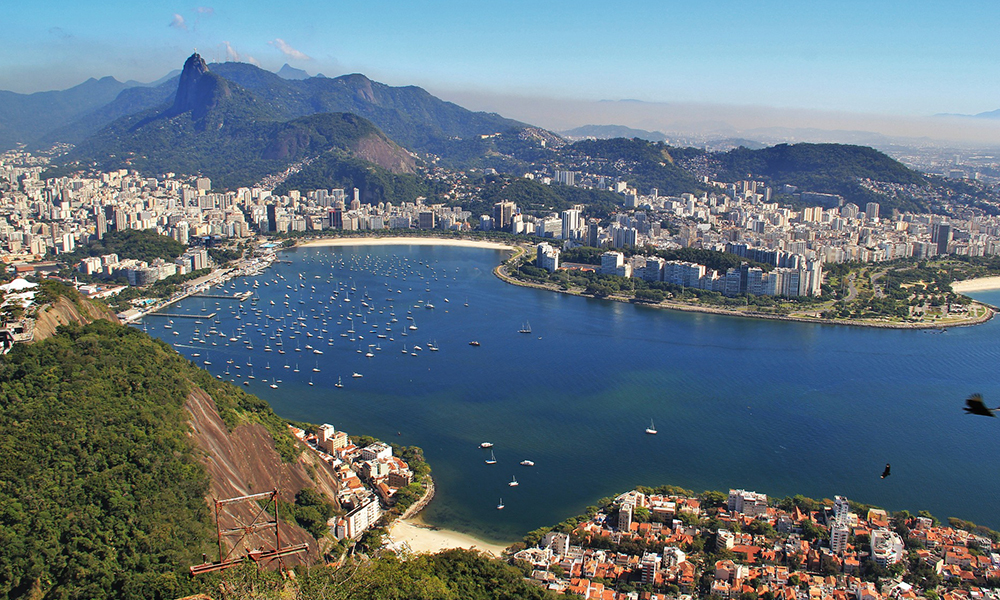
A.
pixel 811 531
pixel 928 515
pixel 713 499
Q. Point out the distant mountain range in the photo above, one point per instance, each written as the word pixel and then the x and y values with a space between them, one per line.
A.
pixel 287 71
pixel 237 123
pixel 408 115
pixel 26 118
pixel 218 128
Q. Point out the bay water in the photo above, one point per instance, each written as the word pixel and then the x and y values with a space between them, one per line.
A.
pixel 777 407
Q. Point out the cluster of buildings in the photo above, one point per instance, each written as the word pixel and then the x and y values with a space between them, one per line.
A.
pixel 40 217
pixel 749 546
pixel 369 478
pixel 832 230
pixel 319 210
pixel 139 272
pixel 803 280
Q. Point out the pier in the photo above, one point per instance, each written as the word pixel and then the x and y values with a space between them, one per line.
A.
pixel 180 316
pixel 241 297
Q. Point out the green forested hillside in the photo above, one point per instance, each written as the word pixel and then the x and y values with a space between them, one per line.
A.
pixel 817 163
pixel 340 170
pixel 825 168
pixel 101 492
pixel 217 128
pixel 645 165
pixel 409 115
pixel 144 245
pixel 448 575
pixel 534 198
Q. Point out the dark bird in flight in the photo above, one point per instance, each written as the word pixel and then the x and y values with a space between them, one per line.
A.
pixel 886 472
pixel 974 406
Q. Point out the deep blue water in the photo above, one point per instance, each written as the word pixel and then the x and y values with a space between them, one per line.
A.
pixel 776 407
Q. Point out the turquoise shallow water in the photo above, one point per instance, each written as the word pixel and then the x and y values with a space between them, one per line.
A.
pixel 781 408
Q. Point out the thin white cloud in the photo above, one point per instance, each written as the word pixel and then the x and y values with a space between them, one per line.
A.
pixel 288 51
pixel 233 56
pixel 205 10
pixel 178 22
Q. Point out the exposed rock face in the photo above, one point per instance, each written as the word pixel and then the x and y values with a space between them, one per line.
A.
pixel 64 311
pixel 382 152
pixel 198 90
pixel 244 462
pixel 363 91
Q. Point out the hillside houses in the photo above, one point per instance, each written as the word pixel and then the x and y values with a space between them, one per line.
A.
pixel 641 545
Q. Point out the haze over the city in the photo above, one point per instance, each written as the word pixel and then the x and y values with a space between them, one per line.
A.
pixel 724 67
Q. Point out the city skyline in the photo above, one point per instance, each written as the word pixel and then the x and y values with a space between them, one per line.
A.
pixel 890 58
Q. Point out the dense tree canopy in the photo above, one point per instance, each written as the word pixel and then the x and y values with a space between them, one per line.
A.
pixel 147 245
pixel 101 495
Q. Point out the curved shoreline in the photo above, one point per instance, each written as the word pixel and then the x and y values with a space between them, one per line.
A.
pixel 979 284
pixel 500 272
pixel 410 531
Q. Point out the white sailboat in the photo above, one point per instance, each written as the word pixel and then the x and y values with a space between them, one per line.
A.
pixel 339 383
pixel 513 482
pixel 651 430
pixel 500 504
pixel 526 328
pixel 492 460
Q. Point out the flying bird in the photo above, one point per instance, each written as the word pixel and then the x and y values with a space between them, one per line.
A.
pixel 974 406
pixel 886 472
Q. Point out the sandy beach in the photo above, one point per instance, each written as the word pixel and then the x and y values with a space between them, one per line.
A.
pixel 424 539
pixel 406 241
pixel 980 284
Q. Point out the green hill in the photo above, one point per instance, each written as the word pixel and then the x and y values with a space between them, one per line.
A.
pixel 101 494
pixel 340 170
pixel 447 575
pixel 825 168
pixel 102 487
pixel 645 165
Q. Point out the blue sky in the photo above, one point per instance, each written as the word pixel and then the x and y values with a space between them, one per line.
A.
pixel 874 56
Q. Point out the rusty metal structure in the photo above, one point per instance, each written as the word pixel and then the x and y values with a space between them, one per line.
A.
pixel 249 540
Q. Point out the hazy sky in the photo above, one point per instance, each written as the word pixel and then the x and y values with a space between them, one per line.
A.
pixel 895 57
